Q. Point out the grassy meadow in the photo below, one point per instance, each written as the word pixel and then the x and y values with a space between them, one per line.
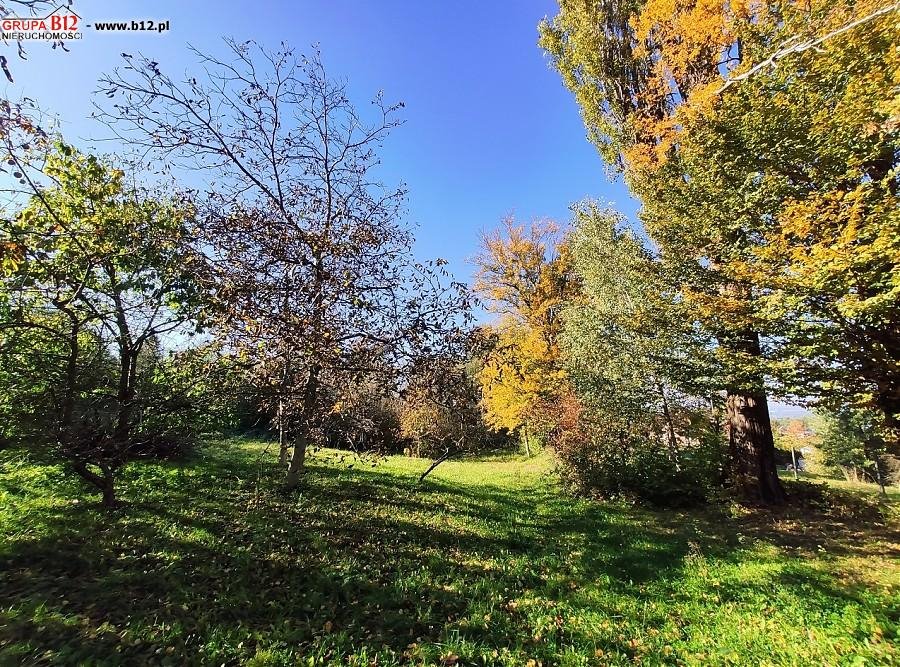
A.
pixel 486 563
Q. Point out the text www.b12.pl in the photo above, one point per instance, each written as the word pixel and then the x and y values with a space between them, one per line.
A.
pixel 138 26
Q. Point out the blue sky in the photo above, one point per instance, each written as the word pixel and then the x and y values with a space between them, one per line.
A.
pixel 490 129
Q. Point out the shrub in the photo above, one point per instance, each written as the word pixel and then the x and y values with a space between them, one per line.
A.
pixel 605 456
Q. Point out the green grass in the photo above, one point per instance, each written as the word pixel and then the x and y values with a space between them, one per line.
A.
pixel 858 488
pixel 487 563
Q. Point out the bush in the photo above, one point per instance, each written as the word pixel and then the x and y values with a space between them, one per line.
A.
pixel 612 458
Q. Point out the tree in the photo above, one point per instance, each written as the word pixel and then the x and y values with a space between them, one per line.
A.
pixel 825 261
pixel 645 379
pixel 440 414
pixel 629 97
pixel 796 437
pixel 317 286
pixel 852 441
pixel 719 170
pixel 100 269
pixel 524 277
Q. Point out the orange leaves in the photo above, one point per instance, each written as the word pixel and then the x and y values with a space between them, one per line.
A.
pixel 12 254
pixel 688 36
pixel 841 243
pixel 511 267
pixel 684 42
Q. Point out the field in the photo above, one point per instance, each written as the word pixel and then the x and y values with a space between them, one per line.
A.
pixel 486 563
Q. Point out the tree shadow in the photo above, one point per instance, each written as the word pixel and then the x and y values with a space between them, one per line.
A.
pixel 210 564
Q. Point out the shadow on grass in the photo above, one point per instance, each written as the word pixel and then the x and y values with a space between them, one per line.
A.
pixel 209 563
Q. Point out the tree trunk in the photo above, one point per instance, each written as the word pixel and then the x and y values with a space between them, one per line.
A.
pixel 70 389
pixel 282 440
pixel 525 440
pixel 298 461
pixel 109 493
pixel 298 458
pixel 673 443
pixel 126 394
pixel 879 476
pixel 871 450
pixel 104 483
pixel 128 354
pixel 443 457
pixel 887 402
pixel 752 447
pixel 285 375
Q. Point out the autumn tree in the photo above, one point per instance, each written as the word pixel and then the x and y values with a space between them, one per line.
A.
pixel 317 287
pixel 523 275
pixel 441 412
pixel 625 93
pixel 673 97
pixel 793 435
pixel 810 148
pixel 365 418
pixel 433 425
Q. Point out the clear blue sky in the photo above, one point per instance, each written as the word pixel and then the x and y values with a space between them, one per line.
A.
pixel 489 127
pixel 489 130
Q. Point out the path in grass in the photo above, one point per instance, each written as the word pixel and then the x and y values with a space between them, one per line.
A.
pixel 487 563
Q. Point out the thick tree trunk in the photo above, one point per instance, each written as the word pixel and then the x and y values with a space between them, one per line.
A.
pixel 750 441
pixel 752 447
pixel 109 494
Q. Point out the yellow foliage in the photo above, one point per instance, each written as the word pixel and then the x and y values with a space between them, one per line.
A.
pixel 525 275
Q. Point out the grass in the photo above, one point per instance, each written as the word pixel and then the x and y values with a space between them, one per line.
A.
pixel 857 488
pixel 487 563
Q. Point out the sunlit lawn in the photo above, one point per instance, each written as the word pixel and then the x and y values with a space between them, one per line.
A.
pixel 860 488
pixel 486 563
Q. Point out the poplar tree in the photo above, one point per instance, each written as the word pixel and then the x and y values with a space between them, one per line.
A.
pixel 734 131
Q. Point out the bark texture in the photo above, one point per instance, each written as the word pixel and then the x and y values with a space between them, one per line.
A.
pixel 752 447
